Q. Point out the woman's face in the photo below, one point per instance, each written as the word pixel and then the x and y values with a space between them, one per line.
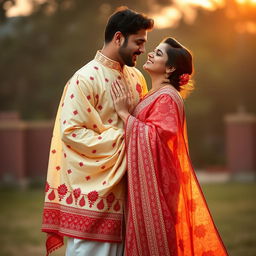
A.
pixel 157 59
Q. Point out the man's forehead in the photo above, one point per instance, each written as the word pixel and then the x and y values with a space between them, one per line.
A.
pixel 140 35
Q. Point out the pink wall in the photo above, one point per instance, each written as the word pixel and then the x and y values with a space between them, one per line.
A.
pixel 24 148
pixel 241 142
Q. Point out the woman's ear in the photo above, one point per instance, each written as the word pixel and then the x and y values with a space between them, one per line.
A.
pixel 170 70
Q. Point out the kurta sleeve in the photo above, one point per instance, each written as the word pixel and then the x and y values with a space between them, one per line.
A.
pixel 81 126
pixel 142 82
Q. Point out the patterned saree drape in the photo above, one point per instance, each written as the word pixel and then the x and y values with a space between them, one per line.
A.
pixel 167 212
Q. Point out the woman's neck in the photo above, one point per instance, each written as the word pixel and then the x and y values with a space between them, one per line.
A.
pixel 158 81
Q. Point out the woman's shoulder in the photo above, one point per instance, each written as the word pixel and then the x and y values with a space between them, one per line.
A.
pixel 169 92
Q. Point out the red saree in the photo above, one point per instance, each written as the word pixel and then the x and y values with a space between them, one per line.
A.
pixel 167 212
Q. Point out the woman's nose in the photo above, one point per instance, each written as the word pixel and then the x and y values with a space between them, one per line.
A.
pixel 151 54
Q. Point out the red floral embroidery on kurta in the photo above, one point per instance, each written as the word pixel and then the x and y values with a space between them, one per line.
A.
pixel 57 168
pixel 51 196
pixel 110 121
pixel 72 96
pixel 77 193
pixel 100 107
pixel 69 200
pixel 47 186
pixel 91 77
pixel 117 206
pixel 53 151
pixel 75 112
pixel 88 97
pixel 69 171
pixel 138 88
pixel 81 164
pixel 62 191
pixel 92 197
pixel 100 205
pixel 110 199
pixel 106 80
pixel 88 177
pixel 96 68
pixel 82 202
pixel 89 110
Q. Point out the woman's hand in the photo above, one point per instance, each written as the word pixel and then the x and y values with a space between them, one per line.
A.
pixel 121 99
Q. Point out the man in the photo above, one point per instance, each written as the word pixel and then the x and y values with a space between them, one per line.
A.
pixel 85 188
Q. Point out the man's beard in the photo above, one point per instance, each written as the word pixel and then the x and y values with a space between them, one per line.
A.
pixel 127 57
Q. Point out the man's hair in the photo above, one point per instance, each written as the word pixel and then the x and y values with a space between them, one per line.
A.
pixel 126 21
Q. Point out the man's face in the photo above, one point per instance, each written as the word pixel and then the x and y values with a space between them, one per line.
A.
pixel 133 46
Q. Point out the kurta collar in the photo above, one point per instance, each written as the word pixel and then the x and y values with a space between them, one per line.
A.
pixel 107 61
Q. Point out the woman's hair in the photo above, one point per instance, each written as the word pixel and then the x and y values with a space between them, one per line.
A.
pixel 128 22
pixel 180 58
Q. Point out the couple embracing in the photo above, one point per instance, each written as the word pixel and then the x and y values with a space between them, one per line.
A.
pixel 120 179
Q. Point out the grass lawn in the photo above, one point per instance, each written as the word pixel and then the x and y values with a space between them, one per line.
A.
pixel 232 205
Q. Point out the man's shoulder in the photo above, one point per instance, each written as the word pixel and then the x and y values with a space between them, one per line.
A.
pixel 135 71
pixel 86 69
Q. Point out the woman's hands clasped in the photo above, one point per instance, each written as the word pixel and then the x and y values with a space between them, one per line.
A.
pixel 122 99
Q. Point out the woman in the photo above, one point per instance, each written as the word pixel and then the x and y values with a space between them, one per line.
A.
pixel 167 212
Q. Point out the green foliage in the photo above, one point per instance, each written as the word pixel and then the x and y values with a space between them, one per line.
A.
pixel 39 53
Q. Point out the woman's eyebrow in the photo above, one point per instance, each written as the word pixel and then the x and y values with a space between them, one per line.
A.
pixel 158 50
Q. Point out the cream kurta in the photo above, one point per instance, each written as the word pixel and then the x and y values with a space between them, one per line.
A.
pixel 85 188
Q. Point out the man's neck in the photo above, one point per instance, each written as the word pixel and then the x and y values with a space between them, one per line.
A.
pixel 111 53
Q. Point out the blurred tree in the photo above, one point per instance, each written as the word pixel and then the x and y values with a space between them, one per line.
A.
pixel 47 47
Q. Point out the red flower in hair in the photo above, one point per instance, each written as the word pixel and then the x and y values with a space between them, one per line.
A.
pixel 184 79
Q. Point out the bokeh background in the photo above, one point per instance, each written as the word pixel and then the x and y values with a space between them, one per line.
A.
pixel 43 42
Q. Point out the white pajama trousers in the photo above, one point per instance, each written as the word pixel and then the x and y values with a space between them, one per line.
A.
pixel 80 247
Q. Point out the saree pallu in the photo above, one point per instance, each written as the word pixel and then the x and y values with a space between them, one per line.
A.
pixel 167 212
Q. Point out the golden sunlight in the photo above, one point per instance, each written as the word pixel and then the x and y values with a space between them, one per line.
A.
pixel 205 4
pixel 187 9
pixel 168 17
pixel 248 2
